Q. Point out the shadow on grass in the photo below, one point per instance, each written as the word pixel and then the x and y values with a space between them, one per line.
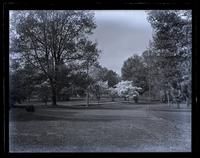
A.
pixel 172 110
pixel 23 116
pixel 102 106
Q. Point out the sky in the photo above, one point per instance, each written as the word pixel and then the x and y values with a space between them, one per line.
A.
pixel 121 34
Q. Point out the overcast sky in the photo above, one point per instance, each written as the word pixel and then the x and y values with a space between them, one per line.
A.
pixel 121 34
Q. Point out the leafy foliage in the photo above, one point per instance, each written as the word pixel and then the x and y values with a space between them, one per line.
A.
pixel 47 39
pixel 22 82
pixel 126 90
pixel 171 48
pixel 99 88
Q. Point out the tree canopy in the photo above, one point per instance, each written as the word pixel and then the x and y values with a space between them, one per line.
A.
pixel 48 38
pixel 171 47
pixel 134 70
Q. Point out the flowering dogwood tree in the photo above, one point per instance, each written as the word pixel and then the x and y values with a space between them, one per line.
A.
pixel 126 90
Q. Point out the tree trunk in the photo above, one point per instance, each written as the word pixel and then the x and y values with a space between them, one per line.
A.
pixel 187 102
pixel 98 99
pixel 178 105
pixel 54 99
pixel 113 99
pixel 87 98
pixel 149 93
pixel 149 85
pixel 54 84
pixel 168 99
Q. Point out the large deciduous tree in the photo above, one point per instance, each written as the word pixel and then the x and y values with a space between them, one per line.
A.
pixel 98 88
pixel 153 74
pixel 172 47
pixel 101 80
pixel 47 39
pixel 134 70
pixel 112 78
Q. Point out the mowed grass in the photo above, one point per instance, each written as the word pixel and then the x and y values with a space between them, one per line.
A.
pixel 107 127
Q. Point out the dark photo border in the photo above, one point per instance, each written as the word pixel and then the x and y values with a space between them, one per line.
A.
pixel 7 5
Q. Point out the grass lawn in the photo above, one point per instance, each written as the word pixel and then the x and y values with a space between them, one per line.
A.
pixel 111 127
